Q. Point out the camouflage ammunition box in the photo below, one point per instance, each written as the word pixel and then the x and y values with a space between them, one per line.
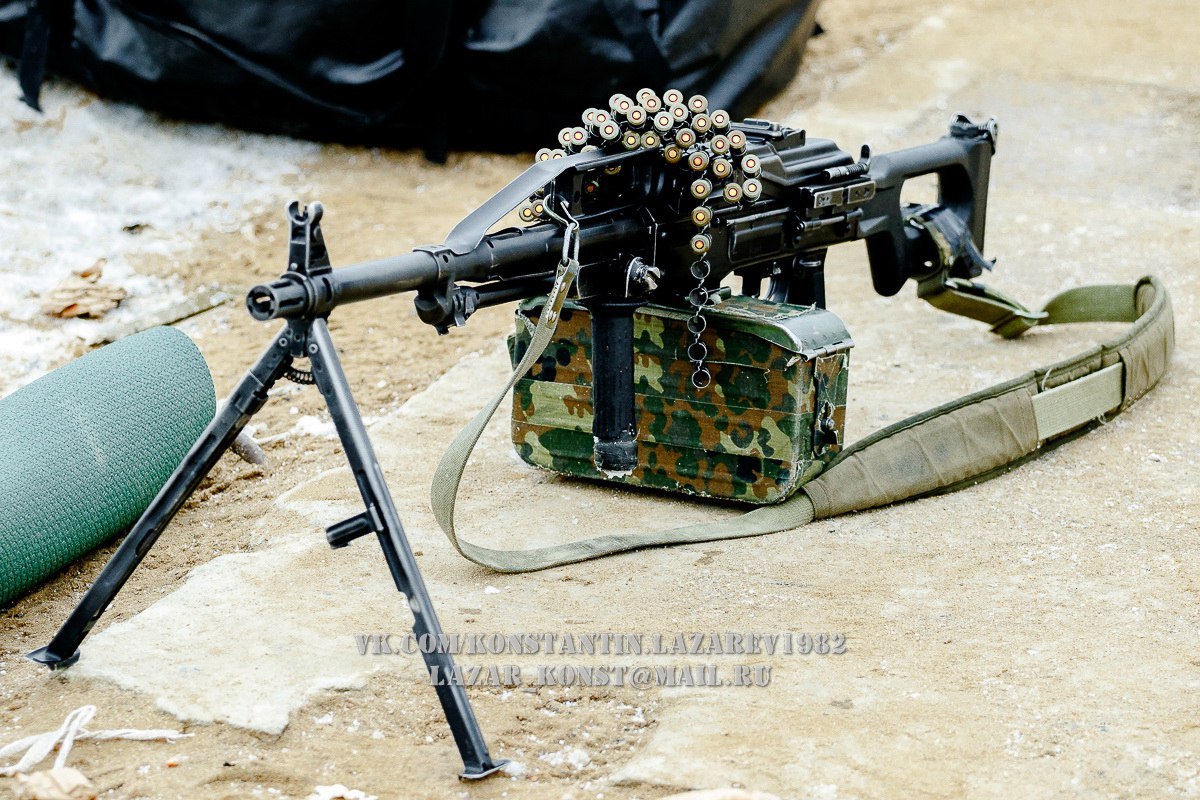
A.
pixel 769 421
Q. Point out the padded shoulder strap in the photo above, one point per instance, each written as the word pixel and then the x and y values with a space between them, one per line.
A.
pixel 961 443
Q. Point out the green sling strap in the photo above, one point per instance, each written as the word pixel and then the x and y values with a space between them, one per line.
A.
pixel 961 443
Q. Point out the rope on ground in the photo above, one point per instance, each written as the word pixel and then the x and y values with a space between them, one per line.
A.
pixel 39 746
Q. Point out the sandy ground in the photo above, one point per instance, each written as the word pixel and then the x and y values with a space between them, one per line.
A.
pixel 1035 636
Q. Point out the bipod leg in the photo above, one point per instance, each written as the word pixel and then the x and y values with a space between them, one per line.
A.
pixel 381 518
pixel 246 400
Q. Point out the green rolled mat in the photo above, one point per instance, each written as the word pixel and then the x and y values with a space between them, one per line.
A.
pixel 84 449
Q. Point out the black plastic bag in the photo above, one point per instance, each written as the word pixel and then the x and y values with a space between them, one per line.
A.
pixel 497 75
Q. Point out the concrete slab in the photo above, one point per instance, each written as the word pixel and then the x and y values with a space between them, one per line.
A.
pixel 250 636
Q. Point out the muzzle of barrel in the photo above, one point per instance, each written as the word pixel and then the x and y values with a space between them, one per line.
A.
pixel 287 298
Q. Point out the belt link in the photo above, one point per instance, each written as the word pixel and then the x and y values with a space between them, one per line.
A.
pixel 698 299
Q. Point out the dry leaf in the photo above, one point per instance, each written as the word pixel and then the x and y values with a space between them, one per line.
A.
pixel 95 271
pixel 63 783
pixel 82 295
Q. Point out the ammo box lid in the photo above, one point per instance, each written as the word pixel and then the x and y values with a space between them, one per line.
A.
pixel 807 331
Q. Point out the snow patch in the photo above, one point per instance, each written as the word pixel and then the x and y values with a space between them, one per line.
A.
pixel 574 757
pixel 95 179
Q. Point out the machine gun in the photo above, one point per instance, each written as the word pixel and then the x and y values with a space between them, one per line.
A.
pixel 656 200
pixel 667 225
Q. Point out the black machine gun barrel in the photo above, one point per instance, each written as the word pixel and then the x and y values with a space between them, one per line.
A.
pixel 510 256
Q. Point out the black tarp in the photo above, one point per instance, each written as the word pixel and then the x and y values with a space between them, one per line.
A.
pixel 498 74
